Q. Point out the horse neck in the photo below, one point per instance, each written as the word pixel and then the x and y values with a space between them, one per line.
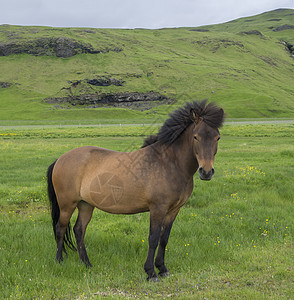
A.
pixel 180 153
pixel 184 154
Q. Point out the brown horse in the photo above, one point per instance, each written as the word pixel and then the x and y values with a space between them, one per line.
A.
pixel 157 178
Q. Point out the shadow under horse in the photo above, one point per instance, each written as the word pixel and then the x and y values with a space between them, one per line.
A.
pixel 157 178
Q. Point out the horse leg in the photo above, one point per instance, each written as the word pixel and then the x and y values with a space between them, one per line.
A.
pixel 165 232
pixel 84 217
pixel 156 220
pixel 61 228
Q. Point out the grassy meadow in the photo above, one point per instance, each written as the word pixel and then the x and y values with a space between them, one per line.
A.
pixel 234 237
pixel 232 240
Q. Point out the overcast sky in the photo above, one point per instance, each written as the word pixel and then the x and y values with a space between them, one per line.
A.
pixel 131 13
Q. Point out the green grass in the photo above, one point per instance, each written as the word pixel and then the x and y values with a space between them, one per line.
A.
pixel 233 238
pixel 264 22
pixel 250 76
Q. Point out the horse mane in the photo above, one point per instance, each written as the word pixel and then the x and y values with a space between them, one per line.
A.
pixel 180 119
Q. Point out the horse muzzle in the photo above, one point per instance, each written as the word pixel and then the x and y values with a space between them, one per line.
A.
pixel 205 175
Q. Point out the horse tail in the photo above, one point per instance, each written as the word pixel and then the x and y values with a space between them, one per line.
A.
pixel 55 210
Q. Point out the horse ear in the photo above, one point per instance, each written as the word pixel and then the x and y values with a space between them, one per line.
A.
pixel 194 117
pixel 221 111
pixel 222 115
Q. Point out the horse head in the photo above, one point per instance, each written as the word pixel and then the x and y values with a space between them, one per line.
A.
pixel 205 141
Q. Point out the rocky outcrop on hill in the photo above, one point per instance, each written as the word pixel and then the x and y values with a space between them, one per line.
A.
pixel 104 81
pixel 58 46
pixel 283 27
pixel 133 100
pixel 85 86
pixel 251 32
pixel 290 48
pixel 5 84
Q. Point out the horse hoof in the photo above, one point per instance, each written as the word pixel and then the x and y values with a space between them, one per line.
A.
pixel 59 259
pixel 153 279
pixel 164 274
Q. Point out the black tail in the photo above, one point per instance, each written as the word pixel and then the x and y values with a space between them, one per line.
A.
pixel 55 211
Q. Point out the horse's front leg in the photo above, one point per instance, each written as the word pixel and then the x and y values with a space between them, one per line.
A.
pixel 165 232
pixel 156 221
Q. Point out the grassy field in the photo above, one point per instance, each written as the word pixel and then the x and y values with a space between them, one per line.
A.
pixel 232 240
pixel 249 75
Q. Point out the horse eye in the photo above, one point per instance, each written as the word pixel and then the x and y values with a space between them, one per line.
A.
pixel 195 138
pixel 218 138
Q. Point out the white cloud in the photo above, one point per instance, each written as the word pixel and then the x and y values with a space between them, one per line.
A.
pixel 132 13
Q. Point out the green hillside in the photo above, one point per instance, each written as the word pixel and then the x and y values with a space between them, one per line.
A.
pixel 246 66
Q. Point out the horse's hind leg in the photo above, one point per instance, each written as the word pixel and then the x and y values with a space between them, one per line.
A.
pixel 62 231
pixel 84 217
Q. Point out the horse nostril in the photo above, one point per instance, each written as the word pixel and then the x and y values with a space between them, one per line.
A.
pixel 205 175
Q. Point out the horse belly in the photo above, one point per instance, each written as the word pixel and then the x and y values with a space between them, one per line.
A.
pixel 112 193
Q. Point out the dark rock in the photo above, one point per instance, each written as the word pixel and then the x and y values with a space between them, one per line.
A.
pixel 131 97
pixel 64 47
pixel 251 32
pixel 283 27
pixel 133 100
pixel 76 88
pixel 199 30
pixel 89 31
pixel 61 47
pixel 104 81
pixel 289 47
pixel 5 84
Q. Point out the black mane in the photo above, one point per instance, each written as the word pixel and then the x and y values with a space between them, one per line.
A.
pixel 181 118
